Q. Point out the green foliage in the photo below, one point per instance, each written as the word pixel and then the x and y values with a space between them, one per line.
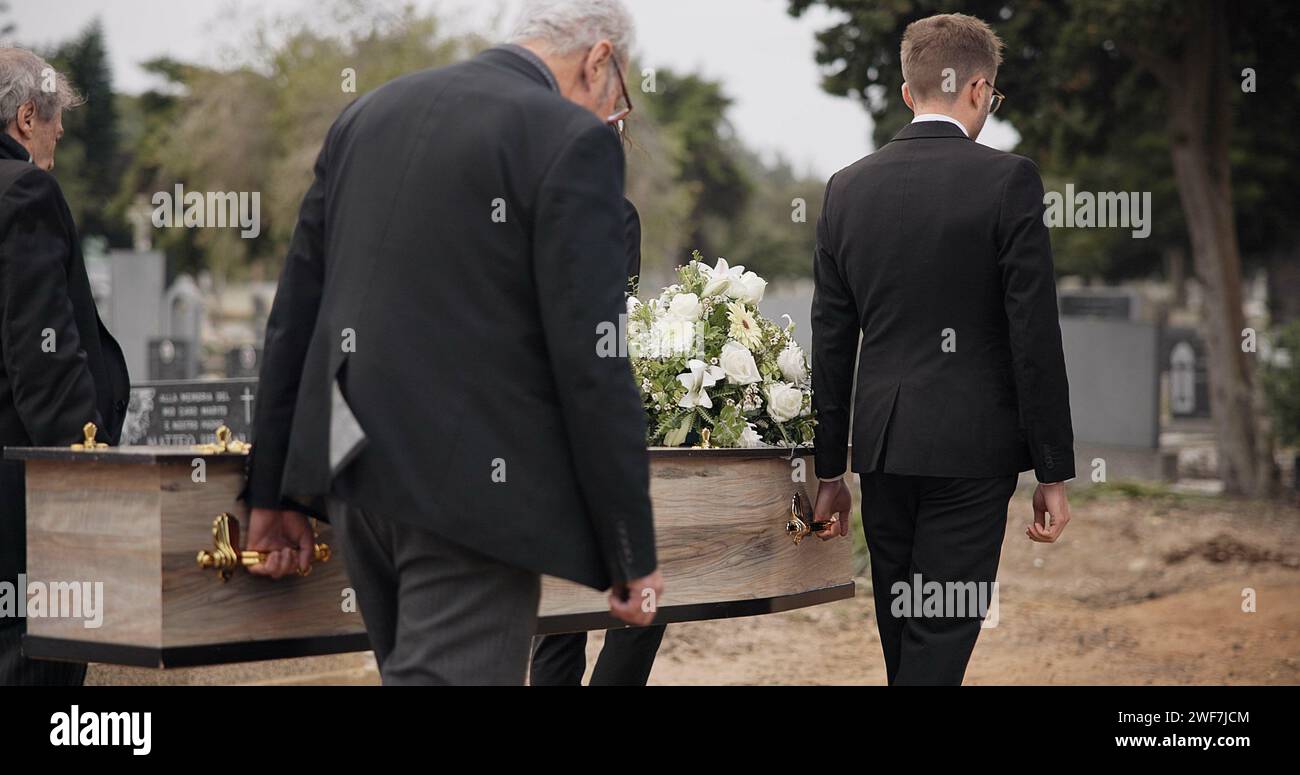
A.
pixel 1281 377
pixel 258 125
pixel 1083 95
pixel 698 186
pixel 88 162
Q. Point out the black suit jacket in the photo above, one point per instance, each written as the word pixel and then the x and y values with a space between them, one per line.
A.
pixel 60 367
pixel 632 238
pixel 465 229
pixel 933 269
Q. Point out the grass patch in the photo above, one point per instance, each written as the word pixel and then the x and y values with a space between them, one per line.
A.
pixel 1131 489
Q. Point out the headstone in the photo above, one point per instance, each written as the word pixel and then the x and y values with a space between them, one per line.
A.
pixel 243 361
pixel 183 313
pixel 170 359
pixel 1112 305
pixel 1114 371
pixel 1184 357
pixel 183 412
pixel 135 304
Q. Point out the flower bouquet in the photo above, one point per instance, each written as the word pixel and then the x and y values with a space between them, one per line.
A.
pixel 712 370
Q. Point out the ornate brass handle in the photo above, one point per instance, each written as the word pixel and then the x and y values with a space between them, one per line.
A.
pixel 799 526
pixel 226 556
pixel 226 444
pixel 88 443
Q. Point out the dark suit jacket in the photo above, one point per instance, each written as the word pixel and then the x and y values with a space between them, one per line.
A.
pixel 632 239
pixel 475 338
pixel 60 367
pixel 933 240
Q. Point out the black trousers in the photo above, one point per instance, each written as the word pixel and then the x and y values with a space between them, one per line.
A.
pixel 18 670
pixel 932 529
pixel 625 659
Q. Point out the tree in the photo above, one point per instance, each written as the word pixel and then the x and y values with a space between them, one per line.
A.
pixel 693 109
pixel 720 197
pixel 89 163
pixel 1091 80
pixel 257 125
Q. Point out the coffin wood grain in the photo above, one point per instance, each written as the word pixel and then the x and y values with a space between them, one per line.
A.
pixel 94 527
pixel 137 527
pixel 134 519
pixel 721 536
pixel 200 609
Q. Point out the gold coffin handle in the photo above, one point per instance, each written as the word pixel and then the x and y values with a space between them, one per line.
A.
pixel 226 444
pixel 88 443
pixel 799 526
pixel 226 556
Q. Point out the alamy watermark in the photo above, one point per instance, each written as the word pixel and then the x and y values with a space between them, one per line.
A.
pixel 181 209
pixel 53 600
pixel 945 600
pixel 1099 210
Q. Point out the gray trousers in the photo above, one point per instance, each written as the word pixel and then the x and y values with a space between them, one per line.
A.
pixel 437 613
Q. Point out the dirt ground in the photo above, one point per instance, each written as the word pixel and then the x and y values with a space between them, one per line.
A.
pixel 1145 588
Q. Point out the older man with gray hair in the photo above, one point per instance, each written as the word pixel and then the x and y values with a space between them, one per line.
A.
pixel 59 366
pixel 432 364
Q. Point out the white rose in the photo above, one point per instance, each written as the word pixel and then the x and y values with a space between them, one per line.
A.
pixel 784 401
pixel 749 287
pixel 793 366
pixel 685 306
pixel 738 362
pixel 749 438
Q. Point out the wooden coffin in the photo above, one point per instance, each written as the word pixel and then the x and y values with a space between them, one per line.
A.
pixel 137 519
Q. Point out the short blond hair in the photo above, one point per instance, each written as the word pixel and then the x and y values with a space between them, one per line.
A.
pixel 943 53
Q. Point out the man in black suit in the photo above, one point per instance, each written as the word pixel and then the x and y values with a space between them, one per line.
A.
pixel 628 653
pixel 61 368
pixel 432 359
pixel 933 271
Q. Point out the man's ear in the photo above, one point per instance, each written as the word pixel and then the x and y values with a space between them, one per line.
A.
pixel 25 121
pixel 597 57
pixel 907 98
pixel 977 93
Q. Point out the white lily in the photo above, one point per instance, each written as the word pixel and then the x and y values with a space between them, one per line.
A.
pixel 700 376
pixel 722 280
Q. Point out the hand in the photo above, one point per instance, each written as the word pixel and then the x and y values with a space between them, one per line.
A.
pixel 1049 499
pixel 636 601
pixel 286 537
pixel 833 500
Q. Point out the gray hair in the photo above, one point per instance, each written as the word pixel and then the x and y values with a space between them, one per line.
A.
pixel 568 26
pixel 25 77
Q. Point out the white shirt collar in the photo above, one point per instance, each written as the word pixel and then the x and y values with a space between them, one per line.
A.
pixel 940 117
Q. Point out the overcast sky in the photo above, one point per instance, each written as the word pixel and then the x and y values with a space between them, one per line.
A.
pixel 762 56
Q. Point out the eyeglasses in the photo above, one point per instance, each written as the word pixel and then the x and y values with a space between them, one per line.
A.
pixel 997 100
pixel 616 119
